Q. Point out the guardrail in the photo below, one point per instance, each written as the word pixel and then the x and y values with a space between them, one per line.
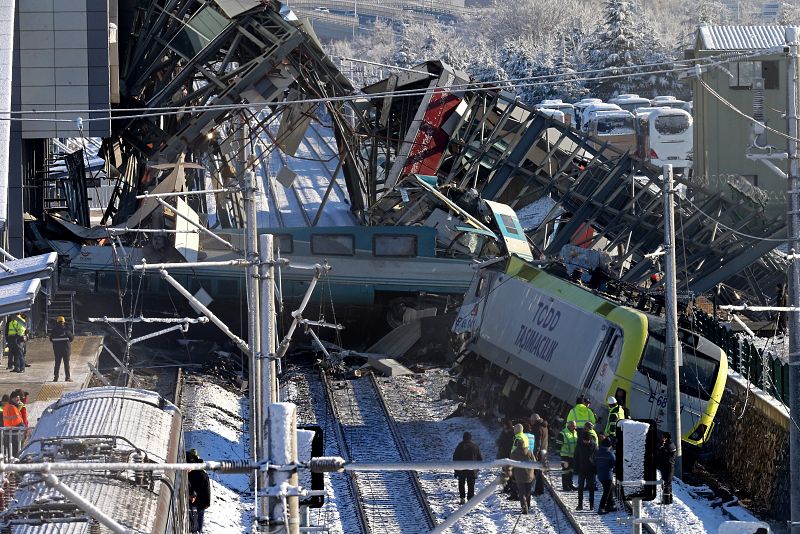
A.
pixel 12 440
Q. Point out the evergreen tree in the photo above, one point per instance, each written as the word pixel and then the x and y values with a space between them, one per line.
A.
pixel 624 42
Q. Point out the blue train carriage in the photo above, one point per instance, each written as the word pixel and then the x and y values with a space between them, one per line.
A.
pixel 104 424
pixel 550 340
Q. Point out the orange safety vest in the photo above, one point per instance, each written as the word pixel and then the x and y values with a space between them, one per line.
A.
pixel 12 416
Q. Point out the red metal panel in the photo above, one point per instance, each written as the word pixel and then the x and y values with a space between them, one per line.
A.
pixel 431 140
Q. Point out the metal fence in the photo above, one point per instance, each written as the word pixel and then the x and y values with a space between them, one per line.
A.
pixel 763 370
pixel 12 439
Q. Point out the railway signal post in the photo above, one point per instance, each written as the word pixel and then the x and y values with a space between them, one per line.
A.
pixel 671 356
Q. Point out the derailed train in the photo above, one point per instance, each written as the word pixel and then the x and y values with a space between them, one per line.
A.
pixel 539 341
pixel 104 424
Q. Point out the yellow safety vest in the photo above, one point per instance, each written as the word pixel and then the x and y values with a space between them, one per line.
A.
pixel 581 414
pixel 568 439
pixel 614 414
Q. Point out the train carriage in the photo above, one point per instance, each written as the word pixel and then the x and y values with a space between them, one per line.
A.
pixel 553 340
pixel 104 424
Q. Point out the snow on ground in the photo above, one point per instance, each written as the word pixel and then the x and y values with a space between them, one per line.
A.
pixel 215 423
pixel 429 436
pixel 416 405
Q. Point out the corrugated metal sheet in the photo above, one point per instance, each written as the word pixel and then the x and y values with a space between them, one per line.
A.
pixel 132 506
pixel 741 37
pixel 132 414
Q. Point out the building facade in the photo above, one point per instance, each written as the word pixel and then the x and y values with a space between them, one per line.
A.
pixel 742 83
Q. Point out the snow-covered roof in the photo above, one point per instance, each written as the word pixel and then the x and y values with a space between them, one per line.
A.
pixel 740 37
pixel 132 414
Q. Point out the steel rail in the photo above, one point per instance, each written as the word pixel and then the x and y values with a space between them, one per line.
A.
pixel 345 450
pixel 404 454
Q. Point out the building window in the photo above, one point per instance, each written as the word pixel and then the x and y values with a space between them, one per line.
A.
pixel 394 245
pixel 743 72
pixel 333 244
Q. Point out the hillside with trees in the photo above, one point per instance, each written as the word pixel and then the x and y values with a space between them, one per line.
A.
pixel 519 43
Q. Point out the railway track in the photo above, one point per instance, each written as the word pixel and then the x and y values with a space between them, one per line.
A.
pixel 587 521
pixel 388 502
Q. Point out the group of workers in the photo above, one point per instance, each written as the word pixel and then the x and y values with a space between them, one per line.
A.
pixel 591 455
pixel 582 451
pixel 17 332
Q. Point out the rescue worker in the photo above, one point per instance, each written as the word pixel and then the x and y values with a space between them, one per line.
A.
pixel 665 461
pixel 12 418
pixel 16 334
pixel 467 451
pixel 584 465
pixel 615 413
pixel 589 428
pixel 605 461
pixel 61 337
pixel 199 488
pixel 581 413
pixel 505 442
pixel 23 404
pixel 522 476
pixel 567 439
pixel 542 431
pixel 519 435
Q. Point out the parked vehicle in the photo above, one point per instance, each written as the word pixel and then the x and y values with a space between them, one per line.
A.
pixel 582 105
pixel 629 102
pixel 559 105
pixel 671 102
pixel 665 135
pixel 591 109
pixel 614 127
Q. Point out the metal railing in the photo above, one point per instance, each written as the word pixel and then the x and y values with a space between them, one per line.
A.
pixel 764 370
pixel 12 440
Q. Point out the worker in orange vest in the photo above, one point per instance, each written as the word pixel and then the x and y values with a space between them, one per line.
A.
pixel 12 417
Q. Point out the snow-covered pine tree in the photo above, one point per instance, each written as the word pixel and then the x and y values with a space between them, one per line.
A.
pixel 621 46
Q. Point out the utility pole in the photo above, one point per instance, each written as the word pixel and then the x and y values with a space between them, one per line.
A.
pixel 671 356
pixel 269 390
pixel 793 224
pixel 253 329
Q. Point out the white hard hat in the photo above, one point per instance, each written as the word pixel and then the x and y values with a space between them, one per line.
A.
pixel 612 400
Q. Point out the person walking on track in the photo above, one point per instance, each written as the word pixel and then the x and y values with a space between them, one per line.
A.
pixel 467 451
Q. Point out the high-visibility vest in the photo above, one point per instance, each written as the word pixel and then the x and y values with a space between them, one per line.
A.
pixel 524 439
pixel 581 414
pixel 568 439
pixel 12 416
pixel 616 413
pixel 17 327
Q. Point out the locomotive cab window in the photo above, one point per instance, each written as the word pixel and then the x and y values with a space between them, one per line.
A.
pixel 697 374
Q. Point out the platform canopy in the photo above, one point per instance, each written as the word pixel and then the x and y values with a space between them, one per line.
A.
pixel 39 267
pixel 19 296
